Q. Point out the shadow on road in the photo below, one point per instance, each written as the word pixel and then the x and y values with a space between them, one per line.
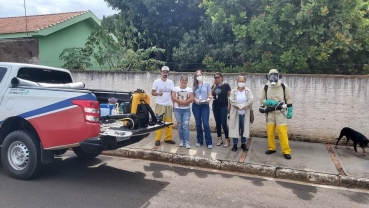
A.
pixel 304 192
pixel 157 169
pixel 362 198
pixel 89 183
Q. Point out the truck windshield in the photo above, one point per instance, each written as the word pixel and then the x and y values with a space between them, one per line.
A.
pixel 2 73
pixel 44 75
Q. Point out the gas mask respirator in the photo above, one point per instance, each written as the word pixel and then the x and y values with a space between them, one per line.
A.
pixel 273 79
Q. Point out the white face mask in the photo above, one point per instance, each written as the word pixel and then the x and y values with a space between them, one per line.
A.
pixel 241 84
pixel 199 78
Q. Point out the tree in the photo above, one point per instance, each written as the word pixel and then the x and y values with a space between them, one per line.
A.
pixel 75 58
pixel 312 36
pixel 111 53
pixel 161 23
pixel 211 46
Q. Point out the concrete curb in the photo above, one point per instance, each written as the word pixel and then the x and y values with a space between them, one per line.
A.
pixel 254 169
pixel 248 168
pixel 150 155
pixel 308 176
pixel 197 161
pixel 350 182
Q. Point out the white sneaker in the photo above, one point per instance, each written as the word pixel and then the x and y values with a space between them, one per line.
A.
pixel 181 144
pixel 210 146
pixel 188 145
pixel 198 144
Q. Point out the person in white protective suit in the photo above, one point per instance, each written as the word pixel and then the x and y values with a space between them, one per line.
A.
pixel 272 95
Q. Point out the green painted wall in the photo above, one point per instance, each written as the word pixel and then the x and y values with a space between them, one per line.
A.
pixel 51 46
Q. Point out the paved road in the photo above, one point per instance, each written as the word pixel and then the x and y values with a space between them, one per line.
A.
pixel 117 182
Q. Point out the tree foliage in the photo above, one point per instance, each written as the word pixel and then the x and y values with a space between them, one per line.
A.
pixel 313 36
pixel 211 46
pixel 295 36
pixel 160 23
pixel 75 58
pixel 112 53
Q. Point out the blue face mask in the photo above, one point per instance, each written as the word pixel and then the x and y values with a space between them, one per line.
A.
pixel 273 79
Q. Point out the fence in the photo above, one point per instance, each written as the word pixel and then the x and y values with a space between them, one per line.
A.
pixel 323 104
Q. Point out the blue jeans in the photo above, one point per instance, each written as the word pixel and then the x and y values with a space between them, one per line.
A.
pixel 241 122
pixel 220 115
pixel 183 121
pixel 201 114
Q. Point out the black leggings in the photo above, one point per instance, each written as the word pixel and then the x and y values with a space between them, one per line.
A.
pixel 220 115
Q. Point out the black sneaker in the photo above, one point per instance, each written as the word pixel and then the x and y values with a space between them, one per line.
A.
pixel 234 148
pixel 287 156
pixel 268 152
pixel 170 142
pixel 244 148
pixel 157 143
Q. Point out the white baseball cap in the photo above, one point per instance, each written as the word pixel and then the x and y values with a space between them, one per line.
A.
pixel 164 68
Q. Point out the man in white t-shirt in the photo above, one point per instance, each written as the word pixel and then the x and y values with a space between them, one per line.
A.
pixel 162 89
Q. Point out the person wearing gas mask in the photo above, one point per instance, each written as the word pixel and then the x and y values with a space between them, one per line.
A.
pixel 272 95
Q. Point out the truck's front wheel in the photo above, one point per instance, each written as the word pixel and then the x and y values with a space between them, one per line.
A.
pixel 85 155
pixel 20 154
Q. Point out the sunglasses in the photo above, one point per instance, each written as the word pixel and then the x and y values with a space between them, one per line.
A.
pixel 217 77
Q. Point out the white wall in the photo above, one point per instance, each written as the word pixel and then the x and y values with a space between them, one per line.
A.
pixel 323 104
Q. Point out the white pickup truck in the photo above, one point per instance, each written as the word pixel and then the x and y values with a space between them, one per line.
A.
pixel 43 113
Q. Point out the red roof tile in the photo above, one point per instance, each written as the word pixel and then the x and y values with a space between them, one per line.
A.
pixel 10 25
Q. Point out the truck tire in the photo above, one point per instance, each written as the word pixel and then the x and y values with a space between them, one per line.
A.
pixel 84 155
pixel 20 155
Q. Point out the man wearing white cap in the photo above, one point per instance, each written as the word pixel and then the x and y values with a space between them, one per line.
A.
pixel 162 89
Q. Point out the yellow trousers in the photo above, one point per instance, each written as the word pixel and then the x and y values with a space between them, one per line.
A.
pixel 277 120
pixel 168 131
pixel 168 110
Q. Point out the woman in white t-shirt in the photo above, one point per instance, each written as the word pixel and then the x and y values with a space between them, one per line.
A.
pixel 182 97
pixel 241 100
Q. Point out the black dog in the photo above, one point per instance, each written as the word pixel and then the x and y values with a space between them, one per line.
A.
pixel 356 137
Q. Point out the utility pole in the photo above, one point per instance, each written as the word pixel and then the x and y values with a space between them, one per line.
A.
pixel 25 16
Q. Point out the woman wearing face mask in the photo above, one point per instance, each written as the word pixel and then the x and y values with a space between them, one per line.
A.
pixel 201 109
pixel 241 100
pixel 220 92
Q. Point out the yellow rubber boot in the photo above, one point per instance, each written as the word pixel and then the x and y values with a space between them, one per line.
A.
pixel 283 139
pixel 158 134
pixel 271 136
pixel 168 130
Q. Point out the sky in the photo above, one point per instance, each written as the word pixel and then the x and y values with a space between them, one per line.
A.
pixel 13 8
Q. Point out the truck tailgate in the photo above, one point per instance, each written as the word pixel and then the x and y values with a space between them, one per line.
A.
pixel 116 136
pixel 121 131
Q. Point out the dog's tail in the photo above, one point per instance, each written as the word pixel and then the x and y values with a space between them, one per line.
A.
pixel 340 137
pixel 341 134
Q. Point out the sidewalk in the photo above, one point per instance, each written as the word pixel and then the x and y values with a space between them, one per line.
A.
pixel 311 162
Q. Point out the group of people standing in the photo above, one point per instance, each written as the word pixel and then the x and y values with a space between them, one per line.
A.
pixel 231 109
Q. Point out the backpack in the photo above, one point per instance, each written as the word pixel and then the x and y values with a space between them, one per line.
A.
pixel 284 94
pixel 143 114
